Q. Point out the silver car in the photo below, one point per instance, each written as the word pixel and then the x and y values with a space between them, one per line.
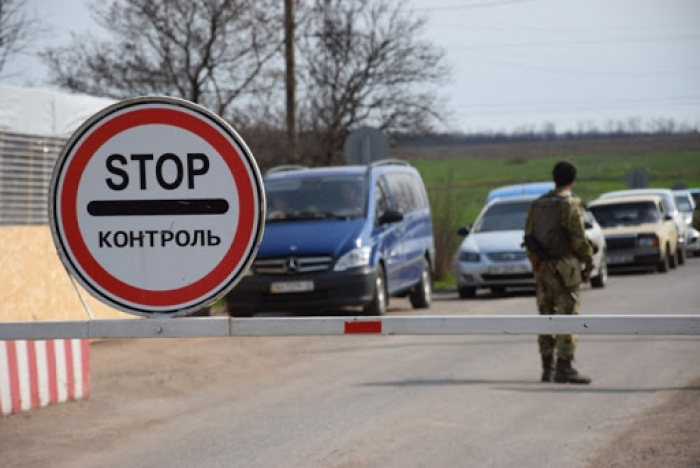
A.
pixel 686 205
pixel 492 256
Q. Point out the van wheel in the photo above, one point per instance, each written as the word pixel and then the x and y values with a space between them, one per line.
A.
pixel 380 300
pixel 466 293
pixel 203 312
pixel 422 294
pixel 601 278
pixel 663 266
pixel 233 312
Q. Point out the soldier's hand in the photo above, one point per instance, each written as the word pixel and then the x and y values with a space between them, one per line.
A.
pixel 587 276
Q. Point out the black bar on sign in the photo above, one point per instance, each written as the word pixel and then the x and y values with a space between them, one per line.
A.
pixel 202 206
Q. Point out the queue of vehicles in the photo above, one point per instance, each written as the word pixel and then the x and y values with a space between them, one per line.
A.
pixel 320 251
pixel 637 228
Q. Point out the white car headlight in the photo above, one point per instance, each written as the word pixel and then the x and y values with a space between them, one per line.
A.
pixel 467 256
pixel 354 258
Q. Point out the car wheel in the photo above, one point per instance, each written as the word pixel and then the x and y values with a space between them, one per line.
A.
pixel 672 259
pixel 422 294
pixel 663 265
pixel 380 300
pixel 681 255
pixel 466 293
pixel 601 279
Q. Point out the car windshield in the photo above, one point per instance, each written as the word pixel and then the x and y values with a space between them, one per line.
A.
pixel 503 217
pixel 626 214
pixel 696 196
pixel 316 197
pixel 683 202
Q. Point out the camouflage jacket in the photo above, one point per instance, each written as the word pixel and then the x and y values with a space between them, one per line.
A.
pixel 696 217
pixel 572 223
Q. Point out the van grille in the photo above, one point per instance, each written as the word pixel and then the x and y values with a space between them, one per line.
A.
pixel 291 265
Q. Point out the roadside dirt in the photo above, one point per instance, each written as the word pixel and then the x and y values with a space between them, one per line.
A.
pixel 667 435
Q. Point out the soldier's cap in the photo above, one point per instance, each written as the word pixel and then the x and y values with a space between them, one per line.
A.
pixel 564 173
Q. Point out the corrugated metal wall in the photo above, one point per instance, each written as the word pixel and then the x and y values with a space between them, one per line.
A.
pixel 26 165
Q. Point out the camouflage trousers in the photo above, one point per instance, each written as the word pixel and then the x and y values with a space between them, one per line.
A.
pixel 553 299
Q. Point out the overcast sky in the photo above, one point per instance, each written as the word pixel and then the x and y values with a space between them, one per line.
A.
pixel 520 63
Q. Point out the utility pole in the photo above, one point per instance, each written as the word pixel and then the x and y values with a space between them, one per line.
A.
pixel 290 80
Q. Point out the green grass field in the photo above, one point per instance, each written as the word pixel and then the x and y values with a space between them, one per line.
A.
pixel 457 187
pixel 469 180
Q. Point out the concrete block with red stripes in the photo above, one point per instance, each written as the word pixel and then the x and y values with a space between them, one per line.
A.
pixel 35 373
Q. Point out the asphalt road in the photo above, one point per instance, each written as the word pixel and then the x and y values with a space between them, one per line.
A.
pixel 370 401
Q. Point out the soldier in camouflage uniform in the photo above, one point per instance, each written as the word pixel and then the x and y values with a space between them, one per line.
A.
pixel 696 217
pixel 556 221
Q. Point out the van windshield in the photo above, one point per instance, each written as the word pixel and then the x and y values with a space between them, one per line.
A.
pixel 626 214
pixel 316 197
pixel 503 217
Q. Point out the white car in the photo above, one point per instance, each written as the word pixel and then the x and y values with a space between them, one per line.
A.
pixel 492 255
pixel 686 205
pixel 670 207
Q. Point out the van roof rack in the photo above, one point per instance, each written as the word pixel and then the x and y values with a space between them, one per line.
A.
pixel 389 162
pixel 284 168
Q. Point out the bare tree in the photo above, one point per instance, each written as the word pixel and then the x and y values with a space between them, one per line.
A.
pixel 364 63
pixel 210 52
pixel 16 29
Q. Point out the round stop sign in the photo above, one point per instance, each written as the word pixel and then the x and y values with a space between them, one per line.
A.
pixel 156 206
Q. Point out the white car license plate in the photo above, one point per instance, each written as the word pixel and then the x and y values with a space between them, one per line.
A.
pixel 291 286
pixel 620 258
pixel 508 269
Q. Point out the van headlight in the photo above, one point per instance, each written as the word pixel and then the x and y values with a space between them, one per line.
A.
pixel 354 258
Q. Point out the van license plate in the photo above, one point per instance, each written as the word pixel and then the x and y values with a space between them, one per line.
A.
pixel 291 287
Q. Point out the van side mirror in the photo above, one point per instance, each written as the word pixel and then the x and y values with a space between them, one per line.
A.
pixel 587 225
pixel 390 216
pixel 464 230
pixel 668 217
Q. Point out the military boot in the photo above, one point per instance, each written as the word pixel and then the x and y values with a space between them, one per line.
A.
pixel 547 368
pixel 564 373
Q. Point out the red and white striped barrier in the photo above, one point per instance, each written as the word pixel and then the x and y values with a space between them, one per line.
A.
pixel 36 373
pixel 397 325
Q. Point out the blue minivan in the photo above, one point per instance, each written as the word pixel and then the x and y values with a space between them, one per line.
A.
pixel 338 237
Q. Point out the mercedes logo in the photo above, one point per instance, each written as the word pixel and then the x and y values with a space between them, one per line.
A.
pixel 291 265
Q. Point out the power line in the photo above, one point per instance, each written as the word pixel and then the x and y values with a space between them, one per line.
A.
pixel 580 72
pixel 472 5
pixel 591 29
pixel 549 44
pixel 524 108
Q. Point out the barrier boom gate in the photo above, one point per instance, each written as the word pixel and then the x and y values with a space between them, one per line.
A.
pixel 307 326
